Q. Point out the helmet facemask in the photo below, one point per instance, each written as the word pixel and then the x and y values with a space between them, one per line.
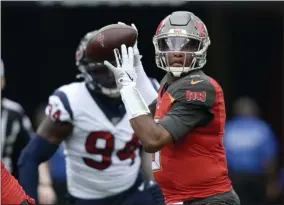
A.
pixel 193 51
pixel 183 34
pixel 100 79
pixel 97 76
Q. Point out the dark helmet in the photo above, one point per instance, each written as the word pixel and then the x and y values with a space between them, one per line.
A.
pixel 181 32
pixel 98 77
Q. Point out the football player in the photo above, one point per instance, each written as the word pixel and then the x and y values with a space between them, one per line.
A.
pixel 187 132
pixel 102 154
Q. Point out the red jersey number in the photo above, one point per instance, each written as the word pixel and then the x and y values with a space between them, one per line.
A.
pixel 103 143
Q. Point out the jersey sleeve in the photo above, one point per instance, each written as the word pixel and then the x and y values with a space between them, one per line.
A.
pixel 152 107
pixel 58 108
pixel 191 108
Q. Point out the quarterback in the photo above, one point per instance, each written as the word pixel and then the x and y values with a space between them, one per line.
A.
pixel 187 132
pixel 102 153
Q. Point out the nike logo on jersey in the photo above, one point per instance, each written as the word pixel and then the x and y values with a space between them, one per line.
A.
pixel 195 82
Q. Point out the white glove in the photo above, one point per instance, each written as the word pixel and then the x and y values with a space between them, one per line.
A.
pixel 142 83
pixel 124 73
pixel 125 76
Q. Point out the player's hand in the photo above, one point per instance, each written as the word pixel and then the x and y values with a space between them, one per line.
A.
pixel 137 56
pixel 46 194
pixel 124 71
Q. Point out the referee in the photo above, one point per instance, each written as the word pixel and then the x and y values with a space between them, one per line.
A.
pixel 15 130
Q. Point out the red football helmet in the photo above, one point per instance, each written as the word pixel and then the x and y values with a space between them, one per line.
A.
pixel 184 33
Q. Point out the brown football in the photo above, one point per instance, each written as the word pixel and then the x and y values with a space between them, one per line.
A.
pixel 101 46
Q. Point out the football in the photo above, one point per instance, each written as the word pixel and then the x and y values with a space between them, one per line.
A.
pixel 101 46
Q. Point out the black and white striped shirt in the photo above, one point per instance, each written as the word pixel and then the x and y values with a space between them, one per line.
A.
pixel 16 130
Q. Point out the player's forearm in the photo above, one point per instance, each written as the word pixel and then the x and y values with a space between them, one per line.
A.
pixel 148 132
pixel 152 135
pixel 44 174
pixel 146 165
pixel 28 177
pixel 37 151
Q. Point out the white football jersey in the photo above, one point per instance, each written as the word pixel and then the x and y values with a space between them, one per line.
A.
pixel 102 159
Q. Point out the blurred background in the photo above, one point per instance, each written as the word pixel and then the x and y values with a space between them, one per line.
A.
pixel 39 39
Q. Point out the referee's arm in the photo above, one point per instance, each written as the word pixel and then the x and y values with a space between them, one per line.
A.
pixel 22 139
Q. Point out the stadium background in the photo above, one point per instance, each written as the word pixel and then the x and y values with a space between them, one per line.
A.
pixel 38 43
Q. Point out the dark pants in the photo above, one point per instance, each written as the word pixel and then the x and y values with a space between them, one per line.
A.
pixel 228 198
pixel 250 188
pixel 25 203
pixel 136 195
pixel 60 188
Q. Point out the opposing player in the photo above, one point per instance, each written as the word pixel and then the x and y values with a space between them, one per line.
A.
pixel 102 154
pixel 11 190
pixel 186 134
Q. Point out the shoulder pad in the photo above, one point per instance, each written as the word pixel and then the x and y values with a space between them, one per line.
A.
pixel 59 108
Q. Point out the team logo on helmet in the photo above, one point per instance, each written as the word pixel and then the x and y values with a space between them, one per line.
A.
pixel 161 26
pixel 79 53
pixel 200 27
